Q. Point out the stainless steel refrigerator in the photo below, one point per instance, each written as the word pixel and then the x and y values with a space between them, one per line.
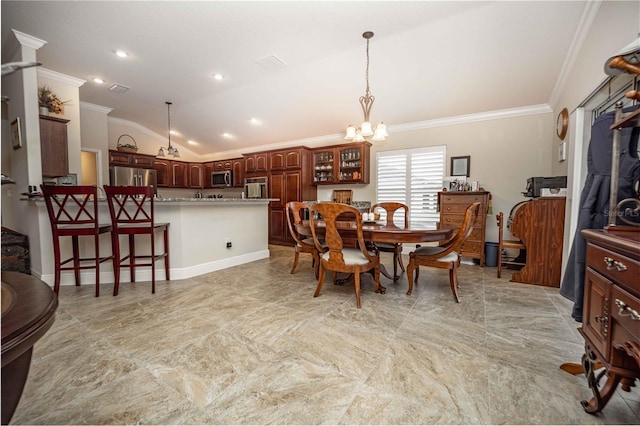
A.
pixel 131 176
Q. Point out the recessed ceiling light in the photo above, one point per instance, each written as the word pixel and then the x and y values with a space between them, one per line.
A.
pixel 121 53
pixel 173 132
pixel 98 80
pixel 190 142
pixel 255 122
pixel 226 135
pixel 218 76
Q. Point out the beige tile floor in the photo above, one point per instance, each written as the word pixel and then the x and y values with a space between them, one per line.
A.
pixel 250 345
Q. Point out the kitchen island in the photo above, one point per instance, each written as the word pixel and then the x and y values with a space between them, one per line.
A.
pixel 199 232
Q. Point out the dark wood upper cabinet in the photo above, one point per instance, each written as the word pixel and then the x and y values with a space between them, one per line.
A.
pixel 119 158
pixel 195 175
pixel 180 174
pixel 54 146
pixel 164 174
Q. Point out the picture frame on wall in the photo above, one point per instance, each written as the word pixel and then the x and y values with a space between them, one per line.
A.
pixel 461 166
pixel 16 133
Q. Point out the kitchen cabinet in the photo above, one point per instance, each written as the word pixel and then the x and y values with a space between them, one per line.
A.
pixel 238 172
pixel 453 206
pixel 54 149
pixel 290 181
pixel 207 169
pixel 285 159
pixel 256 164
pixel 611 319
pixel 180 174
pixel 341 164
pixel 221 166
pixel 119 158
pixel 172 174
pixel 195 175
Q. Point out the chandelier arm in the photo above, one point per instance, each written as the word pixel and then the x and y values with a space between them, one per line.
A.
pixel 367 102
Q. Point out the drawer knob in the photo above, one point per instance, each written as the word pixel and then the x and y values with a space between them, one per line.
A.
pixel 612 263
pixel 626 310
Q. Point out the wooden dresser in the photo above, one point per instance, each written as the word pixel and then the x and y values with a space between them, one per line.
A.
pixel 452 207
pixel 611 314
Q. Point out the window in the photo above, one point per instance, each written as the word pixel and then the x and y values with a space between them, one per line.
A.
pixel 412 177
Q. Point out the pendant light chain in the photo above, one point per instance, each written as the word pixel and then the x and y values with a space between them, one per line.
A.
pixel 368 92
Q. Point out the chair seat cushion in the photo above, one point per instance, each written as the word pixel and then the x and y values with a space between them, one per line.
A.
pixel 351 256
pixel 432 251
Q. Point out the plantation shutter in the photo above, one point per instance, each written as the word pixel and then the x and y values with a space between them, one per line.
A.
pixel 412 177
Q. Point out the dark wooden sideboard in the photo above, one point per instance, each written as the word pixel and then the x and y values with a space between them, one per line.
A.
pixel 611 318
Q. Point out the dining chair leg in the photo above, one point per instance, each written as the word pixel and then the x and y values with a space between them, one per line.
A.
pixel 316 264
pixel 410 268
pixel 357 285
pixel 453 281
pixel 76 261
pixel 499 261
pixel 320 282
pixel 376 280
pixel 295 261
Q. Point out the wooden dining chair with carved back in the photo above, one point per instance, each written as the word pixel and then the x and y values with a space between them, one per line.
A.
pixel 73 212
pixel 508 245
pixel 335 257
pixel 445 256
pixel 396 248
pixel 132 213
pixel 304 245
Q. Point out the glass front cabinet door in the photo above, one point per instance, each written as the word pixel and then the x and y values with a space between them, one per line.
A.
pixel 346 163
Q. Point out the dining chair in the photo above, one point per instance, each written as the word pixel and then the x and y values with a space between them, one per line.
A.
pixel 395 248
pixel 132 213
pixel 304 245
pixel 334 256
pixel 508 244
pixel 73 212
pixel 445 256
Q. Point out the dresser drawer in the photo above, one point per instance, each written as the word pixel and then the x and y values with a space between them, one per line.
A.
pixel 625 312
pixel 458 209
pixel 619 268
pixel 465 199
pixel 455 221
pixel 472 248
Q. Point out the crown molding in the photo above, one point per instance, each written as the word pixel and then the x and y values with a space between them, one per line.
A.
pixel 27 40
pixel 62 78
pixel 584 26
pixel 472 118
pixel 95 108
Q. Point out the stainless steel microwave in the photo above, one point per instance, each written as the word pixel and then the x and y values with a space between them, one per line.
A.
pixel 222 179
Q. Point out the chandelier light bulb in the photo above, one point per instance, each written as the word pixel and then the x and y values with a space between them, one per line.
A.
pixel 351 132
pixel 366 129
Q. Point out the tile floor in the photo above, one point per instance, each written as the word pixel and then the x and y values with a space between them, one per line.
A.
pixel 250 345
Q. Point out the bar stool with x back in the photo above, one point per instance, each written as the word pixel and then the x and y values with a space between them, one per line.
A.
pixel 132 213
pixel 73 212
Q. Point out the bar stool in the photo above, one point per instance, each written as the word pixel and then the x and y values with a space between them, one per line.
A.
pixel 73 212
pixel 131 210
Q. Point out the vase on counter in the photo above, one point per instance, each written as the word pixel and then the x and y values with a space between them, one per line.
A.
pixel 44 111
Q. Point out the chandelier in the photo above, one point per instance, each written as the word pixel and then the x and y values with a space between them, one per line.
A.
pixel 366 101
pixel 170 150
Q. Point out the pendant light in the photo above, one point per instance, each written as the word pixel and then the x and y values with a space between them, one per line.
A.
pixel 170 150
pixel 358 134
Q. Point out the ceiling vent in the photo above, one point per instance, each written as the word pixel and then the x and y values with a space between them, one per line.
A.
pixel 271 63
pixel 118 88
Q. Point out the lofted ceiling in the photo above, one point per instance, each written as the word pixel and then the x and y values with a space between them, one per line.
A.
pixel 429 60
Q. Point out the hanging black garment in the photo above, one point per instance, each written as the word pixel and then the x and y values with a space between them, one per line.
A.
pixel 594 200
